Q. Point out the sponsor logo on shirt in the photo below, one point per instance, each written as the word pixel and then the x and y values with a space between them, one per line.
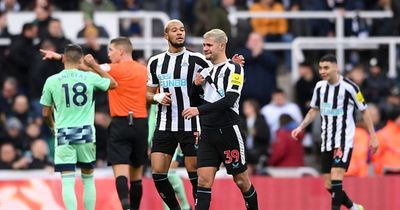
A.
pixel 326 109
pixel 167 81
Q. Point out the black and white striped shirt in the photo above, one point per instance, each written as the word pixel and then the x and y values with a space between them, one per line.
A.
pixel 336 103
pixel 174 73
pixel 220 79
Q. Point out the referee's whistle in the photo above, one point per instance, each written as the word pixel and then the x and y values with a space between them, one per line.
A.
pixel 130 118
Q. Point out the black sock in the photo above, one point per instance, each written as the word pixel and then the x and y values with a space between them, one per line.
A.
pixel 203 198
pixel 165 190
pixel 337 194
pixel 136 192
pixel 345 199
pixel 193 180
pixel 121 183
pixel 250 198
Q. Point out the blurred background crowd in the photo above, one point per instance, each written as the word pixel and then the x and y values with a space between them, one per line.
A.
pixel 271 107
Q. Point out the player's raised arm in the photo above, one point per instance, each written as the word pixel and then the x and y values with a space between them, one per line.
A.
pixel 51 55
pixel 90 62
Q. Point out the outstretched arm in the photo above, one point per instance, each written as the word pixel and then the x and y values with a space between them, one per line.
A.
pixel 312 113
pixel 51 55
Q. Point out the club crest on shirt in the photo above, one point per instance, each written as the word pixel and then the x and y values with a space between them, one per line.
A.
pixel 184 64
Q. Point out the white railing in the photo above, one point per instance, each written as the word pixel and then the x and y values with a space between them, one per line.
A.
pixel 338 16
pixel 144 43
pixel 347 43
pixel 72 22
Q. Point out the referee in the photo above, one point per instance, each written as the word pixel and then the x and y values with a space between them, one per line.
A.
pixel 335 98
pixel 221 139
pixel 128 130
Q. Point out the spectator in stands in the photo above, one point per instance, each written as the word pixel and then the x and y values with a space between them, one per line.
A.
pixel 383 26
pixel 22 51
pixel 390 103
pixel 31 5
pixel 286 151
pixel 396 16
pixel 3 34
pixel 130 27
pixel 378 84
pixel 124 4
pixel 261 67
pixel 91 6
pixel 70 5
pixel 32 132
pixel 209 8
pixel 21 110
pixel 387 158
pixel 15 133
pixel 8 94
pixel 56 35
pixel 3 26
pixel 258 134
pixel 358 76
pixel 40 156
pixel 297 27
pixel 305 86
pixel 376 116
pixel 9 159
pixel 89 25
pixel 319 27
pixel 272 29
pixel 9 6
pixel 39 71
pixel 279 105
pixel 92 45
pixel 359 157
pixel 42 20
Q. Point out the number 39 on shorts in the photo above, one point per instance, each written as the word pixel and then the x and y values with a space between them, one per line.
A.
pixel 231 156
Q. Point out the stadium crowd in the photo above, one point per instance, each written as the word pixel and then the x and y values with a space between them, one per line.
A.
pixel 268 112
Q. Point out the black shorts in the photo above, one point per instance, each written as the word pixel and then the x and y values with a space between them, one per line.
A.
pixel 224 145
pixel 167 141
pixel 336 158
pixel 127 144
